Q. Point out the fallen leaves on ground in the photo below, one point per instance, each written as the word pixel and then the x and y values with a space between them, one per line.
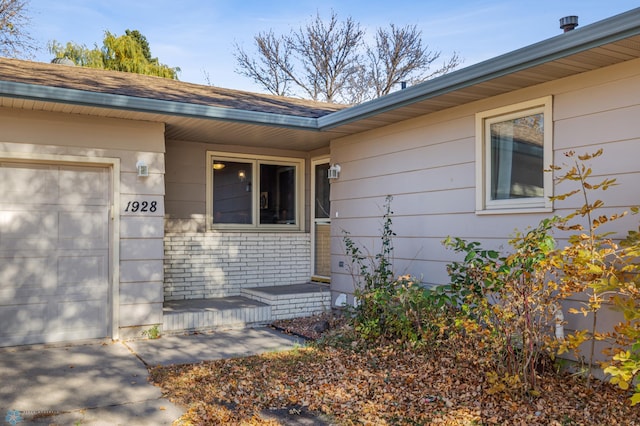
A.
pixel 311 327
pixel 381 385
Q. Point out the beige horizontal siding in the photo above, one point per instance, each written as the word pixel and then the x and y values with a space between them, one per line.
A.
pixel 428 165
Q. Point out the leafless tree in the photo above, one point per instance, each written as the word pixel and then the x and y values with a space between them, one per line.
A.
pixel 15 41
pixel 318 59
pixel 272 68
pixel 329 54
pixel 330 61
pixel 399 56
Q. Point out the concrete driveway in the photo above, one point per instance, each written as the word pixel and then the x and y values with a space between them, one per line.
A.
pixel 105 383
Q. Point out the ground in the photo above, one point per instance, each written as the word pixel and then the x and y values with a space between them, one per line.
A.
pixel 311 327
pixel 350 382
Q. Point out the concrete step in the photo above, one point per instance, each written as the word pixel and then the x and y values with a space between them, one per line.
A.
pixel 254 307
pixel 292 301
pixel 220 313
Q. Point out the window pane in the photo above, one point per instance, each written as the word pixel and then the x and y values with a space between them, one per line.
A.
pixel 232 197
pixel 517 169
pixel 277 194
pixel 322 191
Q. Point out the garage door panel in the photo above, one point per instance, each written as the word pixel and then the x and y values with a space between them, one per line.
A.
pixel 23 229
pixel 54 253
pixel 22 320
pixel 84 186
pixel 83 229
pixel 72 315
pixel 21 276
pixel 28 184
pixel 84 273
pixel 26 300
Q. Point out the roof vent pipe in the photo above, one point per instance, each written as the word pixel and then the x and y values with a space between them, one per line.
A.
pixel 63 61
pixel 568 23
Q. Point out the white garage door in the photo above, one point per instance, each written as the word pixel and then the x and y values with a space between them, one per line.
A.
pixel 54 253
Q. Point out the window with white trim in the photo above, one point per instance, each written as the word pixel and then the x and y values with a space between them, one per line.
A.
pixel 513 148
pixel 251 192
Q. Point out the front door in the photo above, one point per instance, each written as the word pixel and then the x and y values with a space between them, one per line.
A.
pixel 321 221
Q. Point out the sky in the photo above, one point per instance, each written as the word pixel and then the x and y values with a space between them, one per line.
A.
pixel 199 35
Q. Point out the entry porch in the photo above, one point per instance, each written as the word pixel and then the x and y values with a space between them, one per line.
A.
pixel 253 307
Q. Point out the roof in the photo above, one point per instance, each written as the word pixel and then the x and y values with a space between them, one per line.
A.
pixel 211 114
pixel 150 87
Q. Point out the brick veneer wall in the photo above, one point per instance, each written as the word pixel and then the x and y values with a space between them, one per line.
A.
pixel 220 264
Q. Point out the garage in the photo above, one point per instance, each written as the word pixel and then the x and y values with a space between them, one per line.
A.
pixel 54 252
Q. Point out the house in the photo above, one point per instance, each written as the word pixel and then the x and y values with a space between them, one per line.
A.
pixel 129 201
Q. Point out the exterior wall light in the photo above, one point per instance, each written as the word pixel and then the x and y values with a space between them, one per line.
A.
pixel 334 171
pixel 143 169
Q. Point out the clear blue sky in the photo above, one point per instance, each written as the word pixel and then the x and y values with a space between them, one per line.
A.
pixel 198 35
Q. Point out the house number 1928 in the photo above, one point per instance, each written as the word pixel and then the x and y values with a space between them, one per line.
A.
pixel 141 206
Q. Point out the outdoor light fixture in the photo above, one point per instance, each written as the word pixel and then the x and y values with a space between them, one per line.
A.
pixel 143 169
pixel 241 175
pixel 334 171
pixel 218 166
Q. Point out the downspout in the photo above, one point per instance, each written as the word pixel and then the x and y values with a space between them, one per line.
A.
pixel 559 319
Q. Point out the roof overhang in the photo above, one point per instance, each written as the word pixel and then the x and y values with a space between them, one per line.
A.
pixel 183 121
pixel 604 43
pixel 154 106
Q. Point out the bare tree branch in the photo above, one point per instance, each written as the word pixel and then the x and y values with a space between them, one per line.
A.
pixel 329 54
pixel 449 65
pixel 273 70
pixel 329 61
pixel 15 41
pixel 399 56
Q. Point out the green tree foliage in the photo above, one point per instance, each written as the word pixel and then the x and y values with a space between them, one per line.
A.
pixel 143 42
pixel 15 41
pixel 80 54
pixel 129 53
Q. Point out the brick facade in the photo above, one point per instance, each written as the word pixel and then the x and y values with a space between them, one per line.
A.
pixel 221 264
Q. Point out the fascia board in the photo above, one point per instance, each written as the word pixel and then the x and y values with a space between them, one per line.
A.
pixel 153 106
pixel 600 33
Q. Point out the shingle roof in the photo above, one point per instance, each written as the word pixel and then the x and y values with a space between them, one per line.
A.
pixel 150 87
pixel 203 113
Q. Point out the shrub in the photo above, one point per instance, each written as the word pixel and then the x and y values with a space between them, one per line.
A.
pixel 508 304
pixel 624 362
pixel 398 309
pixel 593 263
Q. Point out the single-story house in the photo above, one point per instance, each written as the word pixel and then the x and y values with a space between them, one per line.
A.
pixel 128 201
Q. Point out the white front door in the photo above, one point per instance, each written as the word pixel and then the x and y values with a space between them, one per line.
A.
pixel 321 221
pixel 54 252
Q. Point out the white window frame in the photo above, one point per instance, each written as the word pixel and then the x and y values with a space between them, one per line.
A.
pixel 256 161
pixel 484 205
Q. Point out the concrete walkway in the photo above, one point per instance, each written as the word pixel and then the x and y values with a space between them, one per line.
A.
pixel 105 383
